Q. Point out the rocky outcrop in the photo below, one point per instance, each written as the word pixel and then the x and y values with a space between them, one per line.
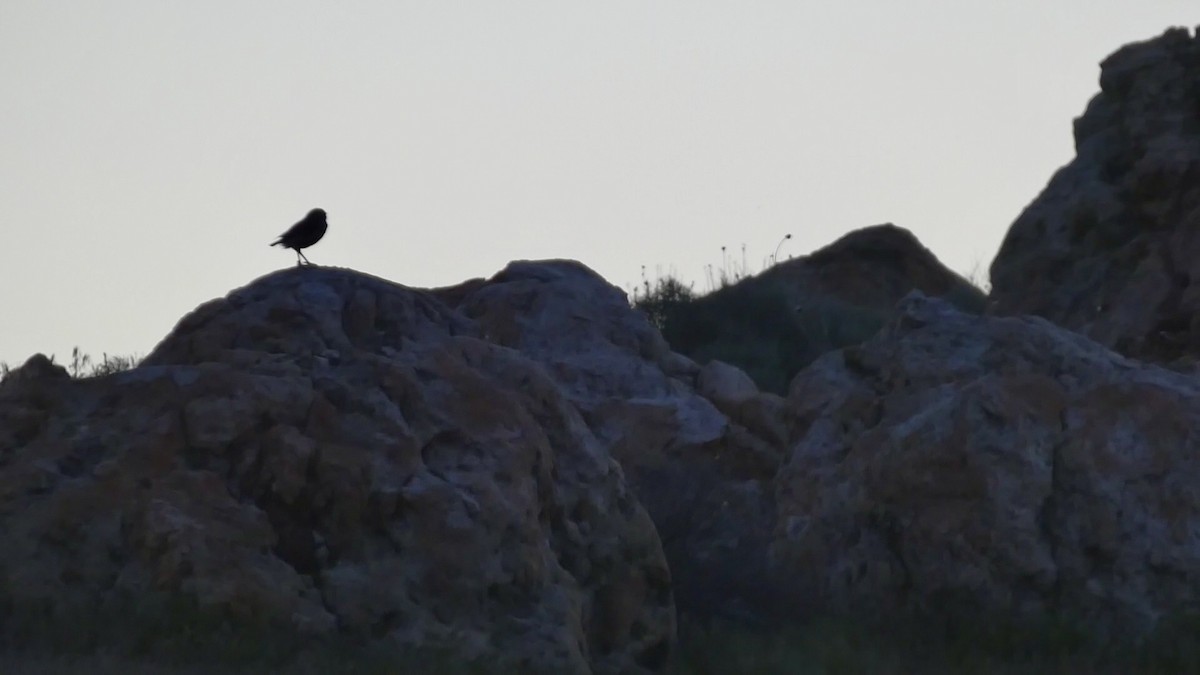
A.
pixel 1110 247
pixel 951 463
pixel 775 323
pixel 342 453
pixel 874 267
pixel 959 463
pixel 507 467
pixel 700 445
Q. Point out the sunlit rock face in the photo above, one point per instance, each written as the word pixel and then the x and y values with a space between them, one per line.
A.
pixel 968 464
pixel 1111 248
pixel 342 453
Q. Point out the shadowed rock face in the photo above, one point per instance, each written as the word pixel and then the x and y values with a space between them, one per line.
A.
pixel 699 445
pixel 961 463
pixel 951 463
pixel 342 453
pixel 1111 246
pixel 874 267
pixel 774 324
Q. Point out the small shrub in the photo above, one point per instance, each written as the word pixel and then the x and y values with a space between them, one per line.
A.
pixel 82 365
pixel 662 300
pixel 114 364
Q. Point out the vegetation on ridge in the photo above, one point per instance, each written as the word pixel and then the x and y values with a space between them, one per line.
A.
pixel 82 365
pixel 761 323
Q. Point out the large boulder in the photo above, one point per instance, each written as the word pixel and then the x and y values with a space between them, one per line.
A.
pixel 341 453
pixel 1111 247
pixel 700 445
pixel 958 463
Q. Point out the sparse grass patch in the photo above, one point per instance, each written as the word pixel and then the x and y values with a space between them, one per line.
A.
pixel 82 365
pixel 663 300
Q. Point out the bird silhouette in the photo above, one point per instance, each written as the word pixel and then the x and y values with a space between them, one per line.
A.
pixel 304 234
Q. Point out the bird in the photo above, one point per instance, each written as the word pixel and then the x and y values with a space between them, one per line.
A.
pixel 304 234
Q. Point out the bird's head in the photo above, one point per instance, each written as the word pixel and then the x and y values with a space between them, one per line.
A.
pixel 316 214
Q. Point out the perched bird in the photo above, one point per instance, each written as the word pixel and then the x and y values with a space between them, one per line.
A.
pixel 304 234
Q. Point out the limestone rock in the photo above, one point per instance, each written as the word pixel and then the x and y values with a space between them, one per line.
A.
pixel 700 457
pixel 724 385
pixel 961 463
pixel 1110 247
pixel 344 453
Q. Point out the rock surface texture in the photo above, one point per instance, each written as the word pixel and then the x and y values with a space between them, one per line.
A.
pixel 964 463
pixel 342 453
pixel 700 445
pixel 1111 248
pixel 520 468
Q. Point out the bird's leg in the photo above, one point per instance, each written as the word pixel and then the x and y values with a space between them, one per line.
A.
pixel 303 256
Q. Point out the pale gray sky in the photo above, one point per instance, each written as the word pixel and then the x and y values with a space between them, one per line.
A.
pixel 151 150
